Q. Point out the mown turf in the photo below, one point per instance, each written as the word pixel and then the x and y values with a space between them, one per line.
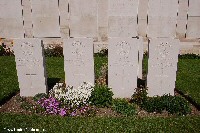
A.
pixel 8 77
pixel 188 78
pixel 100 124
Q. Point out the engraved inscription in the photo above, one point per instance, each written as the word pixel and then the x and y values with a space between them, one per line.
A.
pixel 123 49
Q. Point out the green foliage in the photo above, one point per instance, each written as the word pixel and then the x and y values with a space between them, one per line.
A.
pixel 101 96
pixel 123 107
pixel 2 51
pixel 57 51
pixel 189 56
pixel 178 105
pixel 38 96
pixel 102 53
pixel 139 96
pixel 171 104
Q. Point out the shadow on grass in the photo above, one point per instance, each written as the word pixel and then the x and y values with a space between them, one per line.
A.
pixel 51 82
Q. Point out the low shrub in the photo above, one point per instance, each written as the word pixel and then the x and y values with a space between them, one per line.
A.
pixel 139 96
pixel 171 104
pixel 123 107
pixel 101 96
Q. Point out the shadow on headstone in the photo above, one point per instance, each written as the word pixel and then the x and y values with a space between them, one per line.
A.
pixel 140 83
pixel 51 82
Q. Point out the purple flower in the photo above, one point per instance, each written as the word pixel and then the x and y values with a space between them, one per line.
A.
pixel 73 113
pixel 62 112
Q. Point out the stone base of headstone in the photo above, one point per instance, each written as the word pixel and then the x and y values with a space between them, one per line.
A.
pixel 123 66
pixel 162 66
pixel 30 65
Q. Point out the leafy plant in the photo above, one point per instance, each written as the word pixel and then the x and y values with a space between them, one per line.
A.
pixel 2 51
pixel 172 104
pixel 124 107
pixel 178 105
pixel 139 96
pixel 101 96
pixel 38 96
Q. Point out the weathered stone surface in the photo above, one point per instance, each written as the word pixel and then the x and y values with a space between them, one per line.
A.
pixel 30 66
pixel 122 26
pixel 122 18
pixel 123 66
pixel 102 20
pixel 194 8
pixel 27 17
pixel 162 66
pixel 162 15
pixel 64 18
pixel 83 18
pixel 182 18
pixel 123 7
pixel 11 21
pixel 193 27
pixel 142 17
pixel 78 61
pixel 45 16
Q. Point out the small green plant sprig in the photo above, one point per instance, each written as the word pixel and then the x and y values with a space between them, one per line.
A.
pixel 123 107
pixel 101 96
pixel 140 96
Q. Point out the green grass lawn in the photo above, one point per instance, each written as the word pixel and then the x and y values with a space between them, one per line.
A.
pixel 101 124
pixel 188 78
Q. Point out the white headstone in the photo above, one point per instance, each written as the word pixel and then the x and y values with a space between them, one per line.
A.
pixel 83 18
pixel 140 59
pixel 182 18
pixel 102 20
pixel 123 66
pixel 193 27
pixel 142 17
pixel 162 15
pixel 30 66
pixel 45 16
pixel 194 8
pixel 122 18
pixel 78 61
pixel 11 21
pixel 64 18
pixel 27 17
pixel 162 66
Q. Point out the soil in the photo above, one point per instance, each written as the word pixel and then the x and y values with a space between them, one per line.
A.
pixel 19 105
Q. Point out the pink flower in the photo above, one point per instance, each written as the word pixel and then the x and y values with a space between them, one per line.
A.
pixel 62 112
